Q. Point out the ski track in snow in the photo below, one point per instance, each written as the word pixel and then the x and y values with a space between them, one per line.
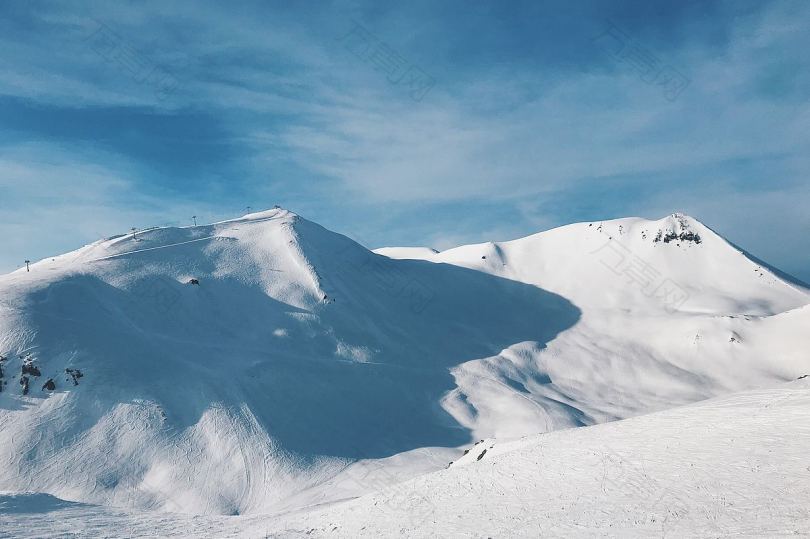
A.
pixel 117 255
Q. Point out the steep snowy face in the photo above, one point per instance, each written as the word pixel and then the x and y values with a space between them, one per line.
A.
pixel 228 368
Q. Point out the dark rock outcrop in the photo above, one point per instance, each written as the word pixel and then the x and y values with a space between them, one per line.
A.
pixel 30 368
pixel 672 236
pixel 75 374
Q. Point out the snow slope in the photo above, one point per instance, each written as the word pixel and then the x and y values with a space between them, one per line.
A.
pixel 730 466
pixel 726 467
pixel 303 369
pixel 665 321
pixel 295 356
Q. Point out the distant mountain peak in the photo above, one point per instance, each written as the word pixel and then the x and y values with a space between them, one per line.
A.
pixel 678 227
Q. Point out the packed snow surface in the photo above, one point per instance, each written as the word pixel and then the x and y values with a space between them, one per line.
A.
pixel 266 365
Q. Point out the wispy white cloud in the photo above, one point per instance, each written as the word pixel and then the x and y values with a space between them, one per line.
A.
pixel 586 125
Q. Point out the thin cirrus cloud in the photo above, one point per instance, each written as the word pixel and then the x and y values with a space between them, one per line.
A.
pixel 531 123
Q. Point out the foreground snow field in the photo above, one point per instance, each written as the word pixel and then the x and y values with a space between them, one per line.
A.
pixel 268 366
pixel 726 467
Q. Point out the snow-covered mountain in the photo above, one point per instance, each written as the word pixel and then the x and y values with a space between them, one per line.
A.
pixel 671 314
pixel 266 364
pixel 704 273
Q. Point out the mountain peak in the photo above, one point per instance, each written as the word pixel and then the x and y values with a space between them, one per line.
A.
pixel 274 212
pixel 679 227
pixel 682 216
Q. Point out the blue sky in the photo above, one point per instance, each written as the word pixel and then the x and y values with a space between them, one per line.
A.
pixel 418 123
